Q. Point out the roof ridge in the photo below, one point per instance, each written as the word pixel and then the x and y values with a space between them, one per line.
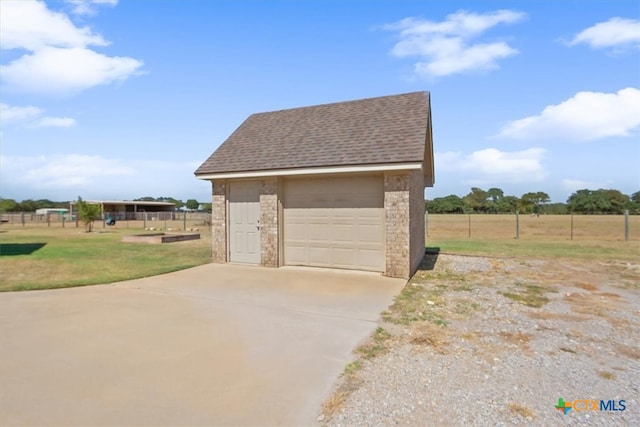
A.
pixel 350 101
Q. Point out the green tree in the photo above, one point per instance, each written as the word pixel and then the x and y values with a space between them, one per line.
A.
pixel 507 204
pixel 533 202
pixel 476 200
pixel 448 204
pixel 8 205
pixel 598 201
pixel 206 207
pixel 88 213
pixel 634 203
pixel 192 204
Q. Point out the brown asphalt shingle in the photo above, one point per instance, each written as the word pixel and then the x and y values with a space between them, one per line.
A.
pixel 388 129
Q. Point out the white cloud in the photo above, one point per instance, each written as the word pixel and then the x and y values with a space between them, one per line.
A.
pixel 493 166
pixel 55 70
pixel 10 114
pixel 59 122
pixel 573 185
pixel 447 47
pixel 584 117
pixel 616 32
pixel 61 171
pixel 86 7
pixel 65 176
pixel 58 59
pixel 31 115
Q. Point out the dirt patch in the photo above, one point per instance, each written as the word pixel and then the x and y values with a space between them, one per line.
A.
pixel 502 339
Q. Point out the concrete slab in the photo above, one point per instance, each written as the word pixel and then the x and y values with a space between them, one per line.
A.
pixel 212 345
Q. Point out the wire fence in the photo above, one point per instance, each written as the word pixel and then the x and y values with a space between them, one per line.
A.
pixel 167 221
pixel 533 227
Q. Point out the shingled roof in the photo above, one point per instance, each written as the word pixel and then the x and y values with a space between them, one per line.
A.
pixel 384 130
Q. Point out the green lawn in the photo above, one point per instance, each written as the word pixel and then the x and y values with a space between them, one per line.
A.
pixel 54 258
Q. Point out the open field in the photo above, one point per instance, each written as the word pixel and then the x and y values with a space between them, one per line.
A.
pixel 41 258
pixel 543 227
pixel 547 236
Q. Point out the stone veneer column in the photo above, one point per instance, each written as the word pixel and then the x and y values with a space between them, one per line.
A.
pixel 219 221
pixel 397 224
pixel 269 222
pixel 417 233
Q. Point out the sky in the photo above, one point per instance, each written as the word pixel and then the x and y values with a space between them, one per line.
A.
pixel 120 99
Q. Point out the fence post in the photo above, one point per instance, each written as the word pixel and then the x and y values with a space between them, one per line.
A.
pixel 626 225
pixel 469 225
pixel 22 218
pixel 571 226
pixel 144 220
pixel 517 225
pixel 184 221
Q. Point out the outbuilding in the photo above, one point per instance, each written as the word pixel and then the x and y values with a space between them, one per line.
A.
pixel 336 185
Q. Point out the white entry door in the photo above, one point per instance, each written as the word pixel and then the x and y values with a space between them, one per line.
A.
pixel 244 222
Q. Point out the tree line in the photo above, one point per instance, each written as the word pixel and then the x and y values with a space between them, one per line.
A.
pixel 30 205
pixel 494 200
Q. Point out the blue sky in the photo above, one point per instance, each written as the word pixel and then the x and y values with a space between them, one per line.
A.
pixel 118 99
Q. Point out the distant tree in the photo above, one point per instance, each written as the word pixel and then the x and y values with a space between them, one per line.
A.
pixel 556 209
pixel 145 199
pixel 634 203
pixel 533 202
pixel 598 201
pixel 476 200
pixel 507 204
pixel 206 207
pixel 178 203
pixel 448 204
pixel 192 204
pixel 28 205
pixel 8 205
pixel 88 213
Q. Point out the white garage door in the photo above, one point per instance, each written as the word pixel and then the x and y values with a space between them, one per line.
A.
pixel 334 222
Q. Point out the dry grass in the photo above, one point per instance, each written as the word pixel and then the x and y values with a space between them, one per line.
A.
pixel 629 351
pixel 517 338
pixel 599 304
pixel 521 410
pixel 548 315
pixel 552 227
pixel 607 375
pixel 588 287
pixel 426 333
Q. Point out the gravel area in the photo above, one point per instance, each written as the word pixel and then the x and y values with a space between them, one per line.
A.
pixel 496 341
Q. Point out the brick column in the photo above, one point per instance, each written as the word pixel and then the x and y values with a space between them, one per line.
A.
pixel 219 221
pixel 397 224
pixel 269 222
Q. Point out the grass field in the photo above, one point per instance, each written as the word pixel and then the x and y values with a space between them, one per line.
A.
pixel 594 236
pixel 42 258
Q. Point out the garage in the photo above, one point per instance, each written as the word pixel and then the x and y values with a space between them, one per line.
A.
pixel 334 222
pixel 337 185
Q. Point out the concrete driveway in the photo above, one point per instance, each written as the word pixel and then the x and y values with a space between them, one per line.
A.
pixel 212 345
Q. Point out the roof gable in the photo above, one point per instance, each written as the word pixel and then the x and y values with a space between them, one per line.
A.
pixel 383 130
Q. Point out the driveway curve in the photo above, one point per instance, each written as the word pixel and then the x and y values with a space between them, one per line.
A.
pixel 211 345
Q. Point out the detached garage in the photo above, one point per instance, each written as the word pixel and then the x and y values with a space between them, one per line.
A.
pixel 337 185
